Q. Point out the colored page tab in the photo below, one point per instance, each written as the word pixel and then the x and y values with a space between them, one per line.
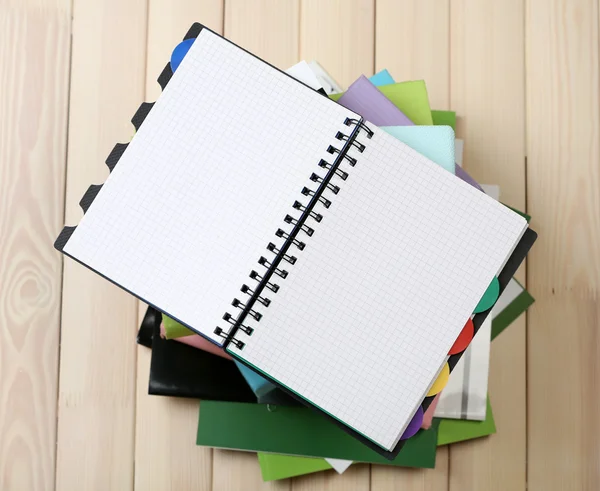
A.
pixel 382 78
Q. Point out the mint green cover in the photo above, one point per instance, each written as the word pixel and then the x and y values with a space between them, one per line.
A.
pixel 298 431
pixel 434 142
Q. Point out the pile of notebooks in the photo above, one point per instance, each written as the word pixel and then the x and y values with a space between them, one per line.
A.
pixel 321 272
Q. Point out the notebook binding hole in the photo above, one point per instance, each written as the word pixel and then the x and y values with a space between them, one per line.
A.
pixel 300 228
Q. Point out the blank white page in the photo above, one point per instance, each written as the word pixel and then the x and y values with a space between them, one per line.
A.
pixel 206 182
pixel 367 315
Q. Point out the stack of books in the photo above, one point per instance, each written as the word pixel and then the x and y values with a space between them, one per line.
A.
pixel 321 272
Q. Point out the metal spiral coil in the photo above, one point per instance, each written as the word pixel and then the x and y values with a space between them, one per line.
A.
pixel 361 125
pixel 291 239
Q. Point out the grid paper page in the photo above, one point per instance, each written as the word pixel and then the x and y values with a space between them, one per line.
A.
pixel 366 317
pixel 206 182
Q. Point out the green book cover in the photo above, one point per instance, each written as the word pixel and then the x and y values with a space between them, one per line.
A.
pixel 274 466
pixel 511 312
pixel 277 466
pixel 174 329
pixel 458 430
pixel 410 97
pixel 520 302
pixel 444 118
pixel 298 431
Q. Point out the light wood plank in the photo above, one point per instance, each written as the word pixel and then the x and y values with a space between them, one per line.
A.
pixel 97 371
pixel 167 457
pixel 487 92
pixel 413 43
pixel 34 83
pixel 564 267
pixel 352 479
pixel 412 39
pixel 240 470
pixel 340 35
pixel 269 29
pixel 388 478
pixel 166 453
pixel 564 432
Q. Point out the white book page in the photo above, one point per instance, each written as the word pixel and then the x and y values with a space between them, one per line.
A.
pixel 370 310
pixel 465 395
pixel 327 82
pixel 459 146
pixel 301 71
pixel 339 465
pixel 206 182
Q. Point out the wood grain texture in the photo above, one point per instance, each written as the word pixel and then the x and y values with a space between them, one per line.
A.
pixel 412 40
pixel 166 454
pixel 564 267
pixel 167 457
pixel 340 35
pixel 267 28
pixel 97 370
pixel 488 93
pixel 387 478
pixel 34 54
pixel 356 478
pixel 240 470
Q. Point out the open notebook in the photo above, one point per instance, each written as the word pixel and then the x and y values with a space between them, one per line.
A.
pixel 314 247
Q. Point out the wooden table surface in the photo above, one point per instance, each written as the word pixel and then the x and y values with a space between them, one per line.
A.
pixel 523 77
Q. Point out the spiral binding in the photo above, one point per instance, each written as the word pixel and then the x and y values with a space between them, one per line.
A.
pixel 257 295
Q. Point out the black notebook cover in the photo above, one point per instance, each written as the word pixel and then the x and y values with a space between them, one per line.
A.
pixel 175 382
pixel 180 370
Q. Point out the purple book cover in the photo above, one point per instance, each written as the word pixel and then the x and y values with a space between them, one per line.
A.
pixel 364 98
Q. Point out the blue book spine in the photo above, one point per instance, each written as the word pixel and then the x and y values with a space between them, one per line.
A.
pixel 259 385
